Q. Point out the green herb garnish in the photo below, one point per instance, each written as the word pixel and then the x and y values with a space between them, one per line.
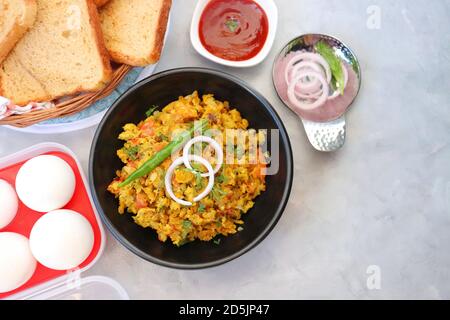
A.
pixel 198 178
pixel 163 137
pixel 132 152
pixel 335 64
pixel 186 226
pixel 197 167
pixel 150 111
pixel 222 178
pixel 217 241
pixel 162 174
pixel 232 24
pixel 161 208
pixel 217 193
pixel 198 181
pixel 197 171
pixel 201 207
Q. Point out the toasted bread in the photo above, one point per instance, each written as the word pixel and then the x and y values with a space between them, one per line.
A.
pixel 62 54
pixel 134 29
pixel 16 17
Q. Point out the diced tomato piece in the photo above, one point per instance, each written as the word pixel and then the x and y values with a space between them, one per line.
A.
pixel 160 146
pixel 147 128
pixel 132 164
pixel 141 201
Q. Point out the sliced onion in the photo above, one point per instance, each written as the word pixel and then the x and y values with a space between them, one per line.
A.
pixel 213 143
pixel 308 105
pixel 307 77
pixel 306 87
pixel 313 96
pixel 308 56
pixel 178 162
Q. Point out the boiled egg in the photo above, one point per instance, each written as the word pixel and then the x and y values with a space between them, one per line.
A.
pixel 17 264
pixel 61 239
pixel 45 183
pixel 8 203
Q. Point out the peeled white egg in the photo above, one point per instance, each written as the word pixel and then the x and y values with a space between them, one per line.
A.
pixel 45 183
pixel 17 264
pixel 61 239
pixel 8 203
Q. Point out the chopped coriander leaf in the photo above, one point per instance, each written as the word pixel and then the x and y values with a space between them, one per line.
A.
pixel 199 148
pixel 151 110
pixel 163 137
pixel 232 24
pixel 187 224
pixel 217 193
pixel 198 178
pixel 198 181
pixel 218 223
pixel 201 207
pixel 187 170
pixel 161 180
pixel 217 241
pixel 132 152
pixel 186 228
pixel 222 178
pixel 197 167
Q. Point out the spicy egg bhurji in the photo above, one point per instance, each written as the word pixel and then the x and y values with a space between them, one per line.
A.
pixel 235 183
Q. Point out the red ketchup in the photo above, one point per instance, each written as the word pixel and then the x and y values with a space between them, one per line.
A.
pixel 233 30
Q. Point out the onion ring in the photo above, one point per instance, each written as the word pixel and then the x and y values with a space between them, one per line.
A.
pixel 308 106
pixel 178 162
pixel 310 86
pixel 213 143
pixel 308 56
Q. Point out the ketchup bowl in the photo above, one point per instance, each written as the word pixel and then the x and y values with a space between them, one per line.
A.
pixel 234 33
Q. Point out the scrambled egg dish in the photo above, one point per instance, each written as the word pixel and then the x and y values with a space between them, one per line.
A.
pixel 236 185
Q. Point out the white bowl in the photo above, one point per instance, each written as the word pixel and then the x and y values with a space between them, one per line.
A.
pixel 271 11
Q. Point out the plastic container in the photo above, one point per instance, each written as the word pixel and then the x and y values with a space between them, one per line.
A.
pixel 47 283
pixel 89 288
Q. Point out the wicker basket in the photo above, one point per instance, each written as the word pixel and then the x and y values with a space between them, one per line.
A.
pixel 69 106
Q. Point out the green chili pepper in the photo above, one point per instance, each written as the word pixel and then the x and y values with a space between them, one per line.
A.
pixel 163 154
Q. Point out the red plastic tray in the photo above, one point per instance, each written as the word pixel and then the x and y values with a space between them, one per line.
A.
pixel 25 219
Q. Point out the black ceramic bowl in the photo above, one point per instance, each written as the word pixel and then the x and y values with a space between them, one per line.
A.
pixel 160 89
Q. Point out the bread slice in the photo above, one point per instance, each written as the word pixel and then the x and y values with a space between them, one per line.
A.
pixel 16 17
pixel 100 3
pixel 63 54
pixel 134 29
